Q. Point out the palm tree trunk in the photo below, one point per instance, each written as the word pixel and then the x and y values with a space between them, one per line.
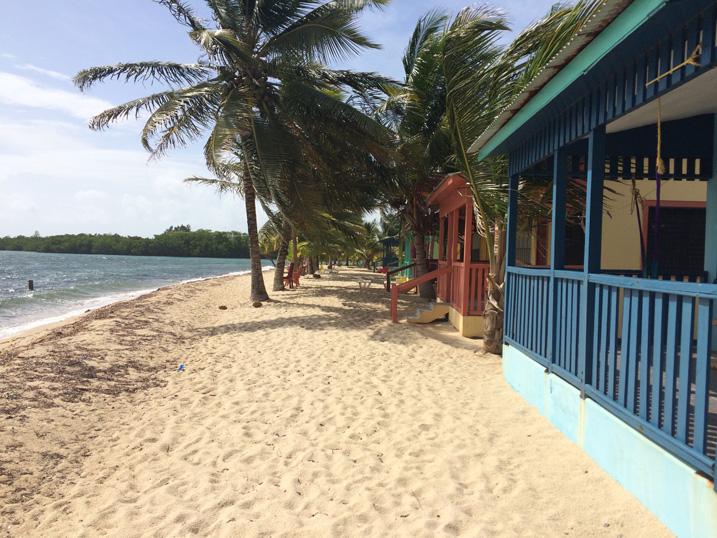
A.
pixel 258 290
pixel 281 257
pixel 493 315
pixel 425 290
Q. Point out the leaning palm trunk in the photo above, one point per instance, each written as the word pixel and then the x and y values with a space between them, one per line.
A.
pixel 494 306
pixel 281 257
pixel 258 290
pixel 426 289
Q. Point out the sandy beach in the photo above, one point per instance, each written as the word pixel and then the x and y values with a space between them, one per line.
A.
pixel 311 416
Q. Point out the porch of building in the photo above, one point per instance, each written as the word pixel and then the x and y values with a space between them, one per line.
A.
pixel 622 364
pixel 462 264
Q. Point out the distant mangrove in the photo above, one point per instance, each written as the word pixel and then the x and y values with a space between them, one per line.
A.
pixel 179 241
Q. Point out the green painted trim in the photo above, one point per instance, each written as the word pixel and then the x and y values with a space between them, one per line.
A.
pixel 627 22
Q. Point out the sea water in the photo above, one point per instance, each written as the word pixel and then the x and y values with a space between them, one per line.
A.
pixel 66 285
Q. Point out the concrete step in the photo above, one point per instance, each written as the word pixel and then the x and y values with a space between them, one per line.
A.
pixel 428 314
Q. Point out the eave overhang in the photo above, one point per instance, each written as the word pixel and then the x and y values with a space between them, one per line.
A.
pixel 611 25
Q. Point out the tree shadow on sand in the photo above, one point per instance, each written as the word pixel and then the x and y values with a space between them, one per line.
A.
pixel 360 310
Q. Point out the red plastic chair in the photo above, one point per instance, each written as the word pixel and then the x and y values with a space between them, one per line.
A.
pixel 289 276
pixel 295 277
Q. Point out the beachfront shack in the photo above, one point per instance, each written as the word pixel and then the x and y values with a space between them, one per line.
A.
pixel 462 255
pixel 391 252
pixel 621 364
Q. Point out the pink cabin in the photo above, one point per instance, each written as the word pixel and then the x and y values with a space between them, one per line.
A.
pixel 464 251
pixel 462 262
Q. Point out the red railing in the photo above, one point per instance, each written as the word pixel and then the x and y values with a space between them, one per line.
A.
pixel 394 271
pixel 470 301
pixel 398 288
pixel 477 288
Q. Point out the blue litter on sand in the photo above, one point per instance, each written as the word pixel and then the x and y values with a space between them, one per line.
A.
pixel 181 367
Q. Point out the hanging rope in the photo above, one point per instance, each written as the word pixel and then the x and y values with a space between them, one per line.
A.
pixel 659 164
pixel 635 204
pixel 692 60
pixel 659 170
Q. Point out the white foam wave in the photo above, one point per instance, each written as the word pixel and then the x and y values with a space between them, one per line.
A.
pixel 76 309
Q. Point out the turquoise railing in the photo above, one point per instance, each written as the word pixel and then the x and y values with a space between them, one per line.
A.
pixel 651 359
pixel 526 322
pixel 648 349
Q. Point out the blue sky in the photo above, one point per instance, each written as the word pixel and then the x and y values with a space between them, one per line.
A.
pixel 57 176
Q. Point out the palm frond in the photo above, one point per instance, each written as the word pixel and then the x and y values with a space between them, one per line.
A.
pixel 223 46
pixel 275 16
pixel 182 118
pixel 230 14
pixel 429 27
pixel 235 112
pixel 183 13
pixel 311 106
pixel 328 33
pixel 165 72
pixel 536 45
pixel 120 112
pixel 222 186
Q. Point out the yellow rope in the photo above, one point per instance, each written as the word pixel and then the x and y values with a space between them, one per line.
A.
pixel 692 60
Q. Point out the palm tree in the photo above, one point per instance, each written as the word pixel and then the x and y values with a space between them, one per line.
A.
pixel 416 112
pixel 481 79
pixel 367 246
pixel 260 89
pixel 421 112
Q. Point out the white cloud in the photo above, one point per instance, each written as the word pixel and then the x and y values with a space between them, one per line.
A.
pixel 91 196
pixel 19 203
pixel 16 90
pixel 46 72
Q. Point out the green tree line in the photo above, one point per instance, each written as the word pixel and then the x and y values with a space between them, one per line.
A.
pixel 178 241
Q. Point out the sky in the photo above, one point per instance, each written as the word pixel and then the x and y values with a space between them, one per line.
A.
pixel 57 176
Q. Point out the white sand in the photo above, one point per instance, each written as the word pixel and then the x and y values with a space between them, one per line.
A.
pixel 313 415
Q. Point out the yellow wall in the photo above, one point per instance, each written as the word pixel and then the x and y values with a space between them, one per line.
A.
pixel 469 326
pixel 621 239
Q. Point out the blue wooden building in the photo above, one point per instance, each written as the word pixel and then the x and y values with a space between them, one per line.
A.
pixel 622 365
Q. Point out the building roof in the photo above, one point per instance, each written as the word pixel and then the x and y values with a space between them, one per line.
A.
pixel 589 45
pixel 446 188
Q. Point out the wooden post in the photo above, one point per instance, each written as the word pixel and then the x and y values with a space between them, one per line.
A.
pixel 557 243
pixel 593 250
pixel 510 240
pixel 467 246
pixel 711 217
pixel 30 285
pixel 394 304
pixel 711 233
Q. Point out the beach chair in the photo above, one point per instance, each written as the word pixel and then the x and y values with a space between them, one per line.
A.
pixel 295 277
pixel 289 276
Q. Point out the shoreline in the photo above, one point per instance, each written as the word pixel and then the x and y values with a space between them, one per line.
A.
pixel 313 415
pixel 52 321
